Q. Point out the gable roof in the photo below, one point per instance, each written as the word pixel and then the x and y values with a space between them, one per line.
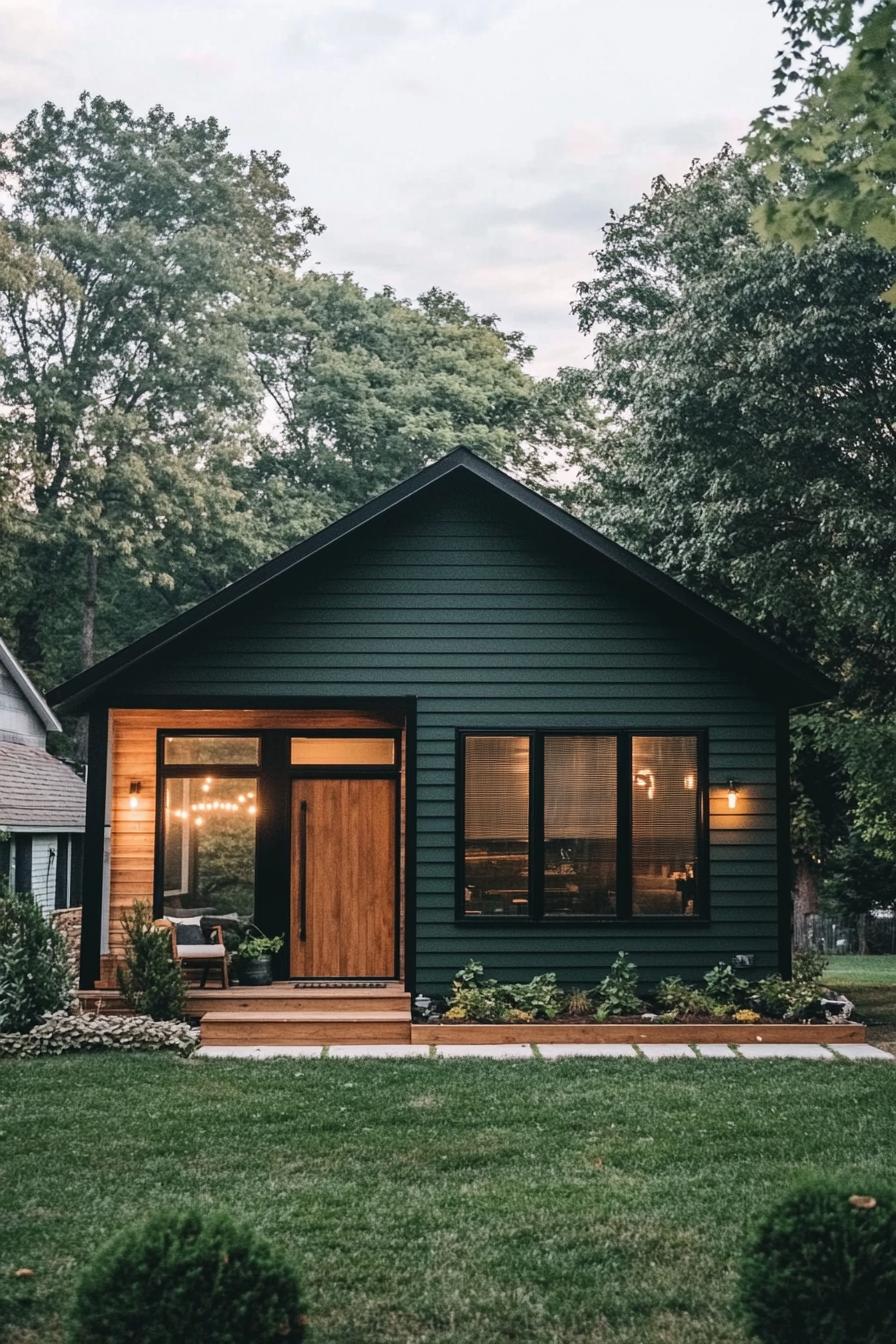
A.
pixel 29 692
pixel 796 681
pixel 38 792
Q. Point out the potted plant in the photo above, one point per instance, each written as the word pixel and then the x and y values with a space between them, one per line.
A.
pixel 253 959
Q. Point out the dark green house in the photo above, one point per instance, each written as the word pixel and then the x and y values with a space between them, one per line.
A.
pixel 458 723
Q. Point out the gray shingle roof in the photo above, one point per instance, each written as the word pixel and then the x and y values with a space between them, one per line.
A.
pixel 37 790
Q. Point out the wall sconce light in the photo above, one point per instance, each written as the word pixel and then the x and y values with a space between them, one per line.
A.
pixel 732 794
pixel 690 782
pixel 645 779
pixel 134 793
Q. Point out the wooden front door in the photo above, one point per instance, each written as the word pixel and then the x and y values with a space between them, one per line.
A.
pixel 343 878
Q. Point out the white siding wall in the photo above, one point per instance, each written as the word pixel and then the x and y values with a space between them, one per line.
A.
pixel 44 851
pixel 18 720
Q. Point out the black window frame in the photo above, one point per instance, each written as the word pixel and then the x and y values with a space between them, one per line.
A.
pixel 535 913
pixel 227 770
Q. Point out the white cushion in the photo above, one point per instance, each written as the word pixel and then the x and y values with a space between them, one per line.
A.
pixel 176 919
pixel 203 951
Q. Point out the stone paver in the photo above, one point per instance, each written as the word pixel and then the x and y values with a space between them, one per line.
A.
pixel 378 1051
pixel 586 1050
pixel 258 1052
pixel 860 1052
pixel 784 1052
pixel 484 1052
pixel 667 1051
pixel 715 1051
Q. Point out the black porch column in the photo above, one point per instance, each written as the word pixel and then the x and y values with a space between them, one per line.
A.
pixel 94 846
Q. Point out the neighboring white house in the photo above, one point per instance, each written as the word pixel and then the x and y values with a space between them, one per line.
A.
pixel 41 798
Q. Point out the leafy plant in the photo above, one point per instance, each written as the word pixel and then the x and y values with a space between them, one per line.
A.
pixel 541 997
pixel 474 998
pixel 684 1000
pixel 617 993
pixel 196 1276
pixel 746 1015
pixel 34 975
pixel 151 981
pixel 822 1266
pixel 791 1000
pixel 809 967
pixel 258 945
pixel 477 1003
pixel 62 1032
pixel 723 986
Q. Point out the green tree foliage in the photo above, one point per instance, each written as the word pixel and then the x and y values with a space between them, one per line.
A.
pixel 749 448
pixel 368 388
pixel 34 977
pixel 832 146
pixel 127 246
pixel 188 1275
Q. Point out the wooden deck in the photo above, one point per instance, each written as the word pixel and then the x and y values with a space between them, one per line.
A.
pixel 288 1013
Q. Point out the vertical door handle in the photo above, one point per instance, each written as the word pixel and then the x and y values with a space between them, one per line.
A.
pixel 303 871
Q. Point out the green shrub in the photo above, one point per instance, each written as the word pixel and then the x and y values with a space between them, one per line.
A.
pixel 617 993
pixel 822 1266
pixel 724 987
pixel 34 974
pixel 790 1000
pixel 62 1032
pixel 540 996
pixel 151 981
pixel 809 967
pixel 476 999
pixel 673 995
pixel 193 1276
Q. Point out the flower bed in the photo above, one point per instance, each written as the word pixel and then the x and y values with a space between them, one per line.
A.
pixel 725 1009
pixel 636 1033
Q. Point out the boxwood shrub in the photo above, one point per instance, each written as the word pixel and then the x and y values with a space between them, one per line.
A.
pixel 191 1276
pixel 822 1267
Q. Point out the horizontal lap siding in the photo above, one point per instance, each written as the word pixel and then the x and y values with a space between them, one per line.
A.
pixel 490 621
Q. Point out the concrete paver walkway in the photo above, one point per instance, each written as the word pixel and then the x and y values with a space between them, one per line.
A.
pixel 833 1054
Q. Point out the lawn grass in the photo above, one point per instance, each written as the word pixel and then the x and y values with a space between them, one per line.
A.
pixel 871 984
pixel 462 1201
pixel 854 971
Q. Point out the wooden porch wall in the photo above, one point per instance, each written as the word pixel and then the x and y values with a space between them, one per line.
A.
pixel 133 749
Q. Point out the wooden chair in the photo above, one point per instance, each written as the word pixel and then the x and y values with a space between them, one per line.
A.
pixel 199 955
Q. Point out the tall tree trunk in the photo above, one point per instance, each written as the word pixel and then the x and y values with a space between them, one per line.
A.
pixel 805 898
pixel 88 641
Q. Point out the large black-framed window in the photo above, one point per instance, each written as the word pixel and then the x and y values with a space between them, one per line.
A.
pixel 207 822
pixel 582 825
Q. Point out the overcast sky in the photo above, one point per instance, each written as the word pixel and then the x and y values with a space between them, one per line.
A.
pixel 477 145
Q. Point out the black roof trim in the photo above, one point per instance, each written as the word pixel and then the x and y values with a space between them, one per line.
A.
pixel 805 683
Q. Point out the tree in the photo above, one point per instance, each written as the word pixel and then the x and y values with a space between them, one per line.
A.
pixel 127 401
pixel 368 388
pixel 834 148
pixel 750 449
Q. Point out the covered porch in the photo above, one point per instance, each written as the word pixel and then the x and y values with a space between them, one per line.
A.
pixel 289 819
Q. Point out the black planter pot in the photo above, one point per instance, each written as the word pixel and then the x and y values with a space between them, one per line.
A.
pixel 258 971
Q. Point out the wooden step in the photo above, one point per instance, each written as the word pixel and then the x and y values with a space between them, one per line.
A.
pixel 304 1028
pixel 270 999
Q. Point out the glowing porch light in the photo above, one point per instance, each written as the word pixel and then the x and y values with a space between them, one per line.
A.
pixel 134 793
pixel 732 794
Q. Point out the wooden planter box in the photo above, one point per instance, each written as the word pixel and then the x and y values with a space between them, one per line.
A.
pixel 637 1033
